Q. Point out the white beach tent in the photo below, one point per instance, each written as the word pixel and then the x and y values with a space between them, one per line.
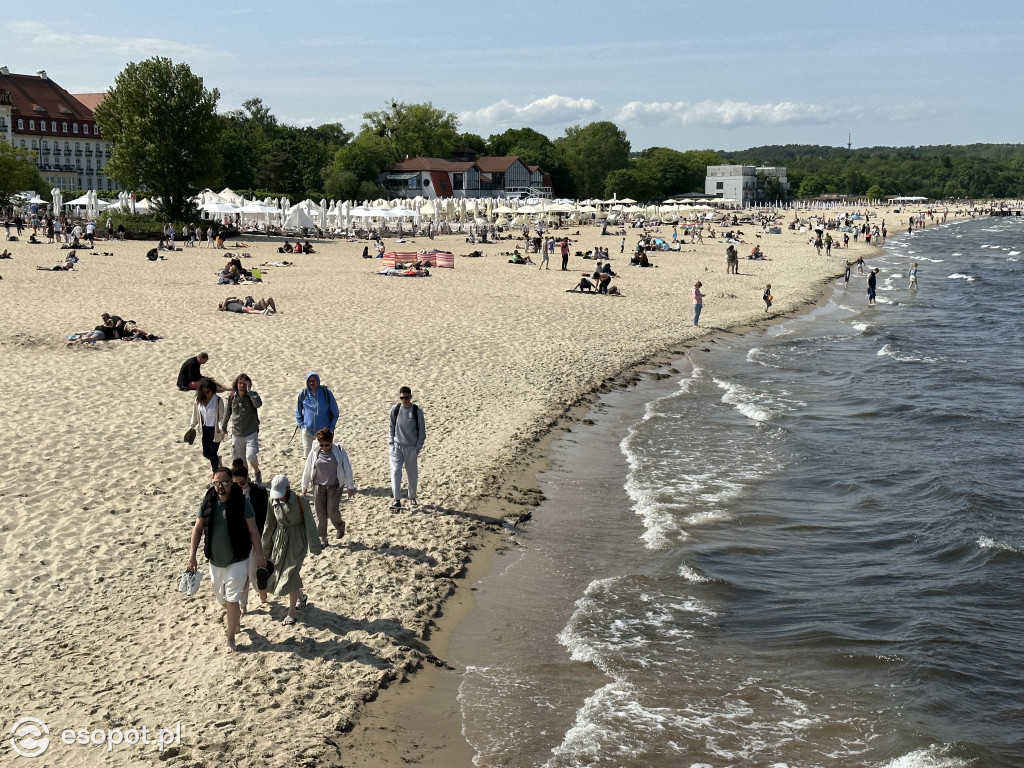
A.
pixel 298 218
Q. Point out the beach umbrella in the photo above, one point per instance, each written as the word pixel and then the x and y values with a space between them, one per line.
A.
pixel 323 213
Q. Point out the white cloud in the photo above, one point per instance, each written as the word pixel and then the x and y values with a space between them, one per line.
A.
pixel 550 110
pixel 42 36
pixel 726 114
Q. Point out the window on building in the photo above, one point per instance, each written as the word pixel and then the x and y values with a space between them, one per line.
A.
pixel 31 125
pixel 35 144
pixel 456 181
pixel 64 127
pixel 46 144
pixel 719 185
pixel 22 143
pixel 21 124
pixel 67 146
pixel 53 126
pixel 74 127
pixel 95 130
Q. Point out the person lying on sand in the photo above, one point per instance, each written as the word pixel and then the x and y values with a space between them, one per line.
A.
pixel 248 306
pixel 67 266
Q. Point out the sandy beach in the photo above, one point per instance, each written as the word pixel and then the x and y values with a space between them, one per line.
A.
pixel 99 494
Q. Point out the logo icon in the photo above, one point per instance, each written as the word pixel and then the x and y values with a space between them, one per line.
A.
pixel 30 737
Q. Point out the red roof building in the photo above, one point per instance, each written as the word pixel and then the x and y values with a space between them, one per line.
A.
pixel 37 114
pixel 432 177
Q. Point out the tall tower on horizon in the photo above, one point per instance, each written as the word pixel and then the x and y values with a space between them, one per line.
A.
pixel 849 141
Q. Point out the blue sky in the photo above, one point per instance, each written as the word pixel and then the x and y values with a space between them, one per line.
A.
pixel 686 75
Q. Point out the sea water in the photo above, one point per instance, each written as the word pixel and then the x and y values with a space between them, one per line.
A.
pixel 804 548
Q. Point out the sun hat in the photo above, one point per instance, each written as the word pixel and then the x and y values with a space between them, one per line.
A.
pixel 278 486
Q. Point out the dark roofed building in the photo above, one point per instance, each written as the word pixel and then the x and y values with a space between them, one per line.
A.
pixel 38 114
pixel 467 176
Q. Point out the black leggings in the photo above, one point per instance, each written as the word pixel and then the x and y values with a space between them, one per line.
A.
pixel 210 448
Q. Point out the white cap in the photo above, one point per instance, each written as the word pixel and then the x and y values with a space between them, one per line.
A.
pixel 278 486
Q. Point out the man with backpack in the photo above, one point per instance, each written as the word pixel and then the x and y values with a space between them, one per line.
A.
pixel 407 433
pixel 315 409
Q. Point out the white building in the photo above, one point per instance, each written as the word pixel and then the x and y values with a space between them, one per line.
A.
pixel 740 182
pixel 37 114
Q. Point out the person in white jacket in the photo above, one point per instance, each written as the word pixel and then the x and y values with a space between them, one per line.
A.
pixel 209 412
pixel 327 470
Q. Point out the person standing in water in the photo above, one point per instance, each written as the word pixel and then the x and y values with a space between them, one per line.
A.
pixel 872 283
pixel 913 276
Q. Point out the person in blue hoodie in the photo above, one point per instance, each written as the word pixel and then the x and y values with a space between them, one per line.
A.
pixel 315 409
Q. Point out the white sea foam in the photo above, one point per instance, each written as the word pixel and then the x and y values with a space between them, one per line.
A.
pixel 1014 253
pixel 751 404
pixel 692 574
pixel 931 757
pixel 961 276
pixel 893 351
pixel 986 542
pixel 860 326
pixel 956 253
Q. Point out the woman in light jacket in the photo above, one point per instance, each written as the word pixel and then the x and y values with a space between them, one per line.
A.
pixel 209 411
pixel 327 470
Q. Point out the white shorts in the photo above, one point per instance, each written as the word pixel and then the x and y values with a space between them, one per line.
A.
pixel 229 582
pixel 246 447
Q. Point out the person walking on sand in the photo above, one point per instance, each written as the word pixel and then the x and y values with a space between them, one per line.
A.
pixel 767 297
pixel 327 471
pixel 258 496
pixel 243 403
pixel 209 412
pixel 913 276
pixel 698 302
pixel 545 255
pixel 732 260
pixel 289 534
pixel 226 526
pixel 315 409
pixel 407 432
pixel 564 246
pixel 872 283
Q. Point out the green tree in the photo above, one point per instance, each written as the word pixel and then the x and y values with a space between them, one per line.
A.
pixel 592 152
pixel 18 173
pixel 875 193
pixel 365 157
pixel 164 127
pixel 635 182
pixel 416 130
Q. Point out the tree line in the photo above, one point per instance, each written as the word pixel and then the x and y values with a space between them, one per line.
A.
pixel 170 142
pixel 936 172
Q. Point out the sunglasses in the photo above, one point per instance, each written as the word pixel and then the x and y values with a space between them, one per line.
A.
pixel 405 397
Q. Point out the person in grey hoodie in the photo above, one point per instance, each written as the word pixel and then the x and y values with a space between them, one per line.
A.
pixel 406 436
pixel 315 409
pixel 245 423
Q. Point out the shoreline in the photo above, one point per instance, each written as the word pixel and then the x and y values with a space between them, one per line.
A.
pixel 419 720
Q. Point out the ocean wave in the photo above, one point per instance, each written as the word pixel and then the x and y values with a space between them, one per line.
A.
pixel 961 276
pixel 862 327
pixel 893 351
pixel 1014 253
pixel 753 405
pixel 932 757
pixel 986 542
pixel 692 574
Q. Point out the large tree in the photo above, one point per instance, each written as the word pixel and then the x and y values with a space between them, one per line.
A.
pixel 592 152
pixel 416 130
pixel 165 130
pixel 18 173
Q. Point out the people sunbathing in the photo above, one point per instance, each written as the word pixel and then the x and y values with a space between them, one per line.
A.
pixel 248 306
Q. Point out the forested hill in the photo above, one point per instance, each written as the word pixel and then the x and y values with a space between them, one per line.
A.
pixel 938 172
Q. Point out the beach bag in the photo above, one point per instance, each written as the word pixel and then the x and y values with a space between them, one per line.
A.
pixel 190 436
